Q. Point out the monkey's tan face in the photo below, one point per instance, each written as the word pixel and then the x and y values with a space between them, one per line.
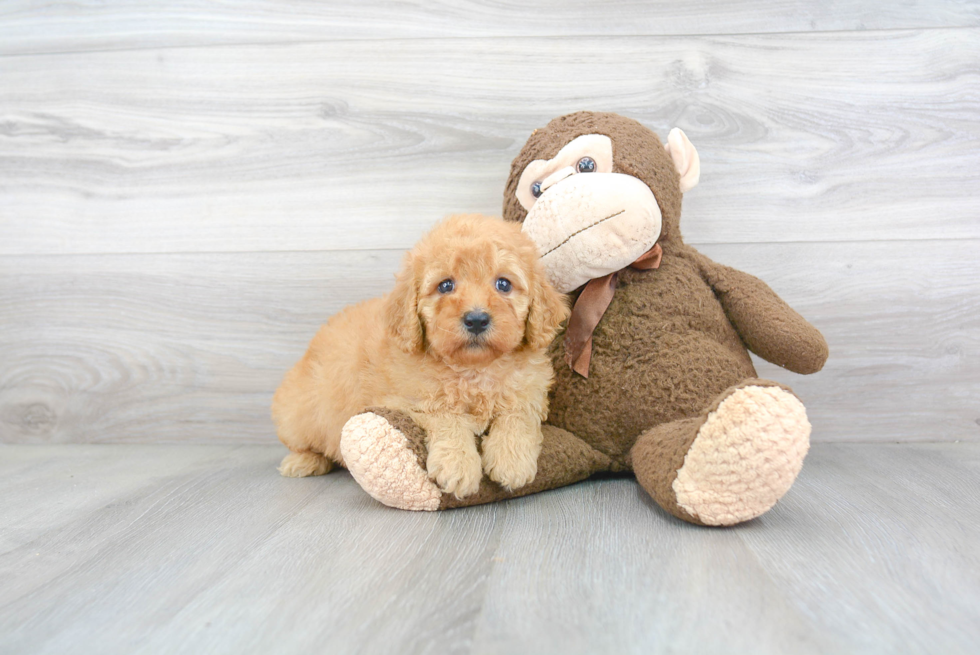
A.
pixel 586 220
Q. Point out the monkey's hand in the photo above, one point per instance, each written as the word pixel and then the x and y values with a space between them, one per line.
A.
pixel 766 324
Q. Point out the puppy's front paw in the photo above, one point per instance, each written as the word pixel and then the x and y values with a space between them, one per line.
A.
pixel 455 468
pixel 511 465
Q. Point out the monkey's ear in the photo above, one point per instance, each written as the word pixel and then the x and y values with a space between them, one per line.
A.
pixel 401 311
pixel 685 157
pixel 548 309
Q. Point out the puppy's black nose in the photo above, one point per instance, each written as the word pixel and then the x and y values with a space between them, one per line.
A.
pixel 476 322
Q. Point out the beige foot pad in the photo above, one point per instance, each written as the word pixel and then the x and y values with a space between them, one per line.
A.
pixel 745 457
pixel 380 458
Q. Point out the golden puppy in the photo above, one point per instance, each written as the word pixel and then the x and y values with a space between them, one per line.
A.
pixel 459 345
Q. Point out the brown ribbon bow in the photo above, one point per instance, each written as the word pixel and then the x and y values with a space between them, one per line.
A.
pixel 589 308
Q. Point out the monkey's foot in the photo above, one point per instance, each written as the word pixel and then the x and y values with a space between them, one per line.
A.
pixel 385 462
pixel 730 465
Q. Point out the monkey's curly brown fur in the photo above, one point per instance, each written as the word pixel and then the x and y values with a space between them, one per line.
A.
pixel 667 346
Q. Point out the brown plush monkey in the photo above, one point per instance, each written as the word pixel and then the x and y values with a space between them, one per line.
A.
pixel 653 373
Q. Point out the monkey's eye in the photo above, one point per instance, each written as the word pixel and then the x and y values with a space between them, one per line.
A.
pixel 504 285
pixel 586 165
pixel 446 286
pixel 536 189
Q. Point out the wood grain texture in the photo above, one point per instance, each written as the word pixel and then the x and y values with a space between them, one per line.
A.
pixel 147 549
pixel 175 348
pixel 31 27
pixel 363 144
pixel 187 191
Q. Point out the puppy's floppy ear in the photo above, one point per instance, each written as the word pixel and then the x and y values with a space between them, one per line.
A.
pixel 548 309
pixel 401 312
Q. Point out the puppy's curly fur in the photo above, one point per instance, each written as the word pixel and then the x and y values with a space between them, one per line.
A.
pixel 411 351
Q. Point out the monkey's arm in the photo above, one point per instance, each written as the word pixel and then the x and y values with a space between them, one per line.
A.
pixel 766 324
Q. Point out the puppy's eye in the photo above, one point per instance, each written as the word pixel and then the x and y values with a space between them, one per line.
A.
pixel 586 165
pixel 446 286
pixel 536 189
pixel 504 285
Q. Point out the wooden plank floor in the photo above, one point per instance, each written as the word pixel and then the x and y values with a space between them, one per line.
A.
pixel 201 549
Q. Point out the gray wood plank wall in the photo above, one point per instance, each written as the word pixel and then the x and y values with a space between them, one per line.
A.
pixel 187 192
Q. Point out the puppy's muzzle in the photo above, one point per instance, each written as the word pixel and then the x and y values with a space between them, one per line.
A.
pixel 476 322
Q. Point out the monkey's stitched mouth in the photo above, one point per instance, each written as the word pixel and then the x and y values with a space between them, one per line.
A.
pixel 580 231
